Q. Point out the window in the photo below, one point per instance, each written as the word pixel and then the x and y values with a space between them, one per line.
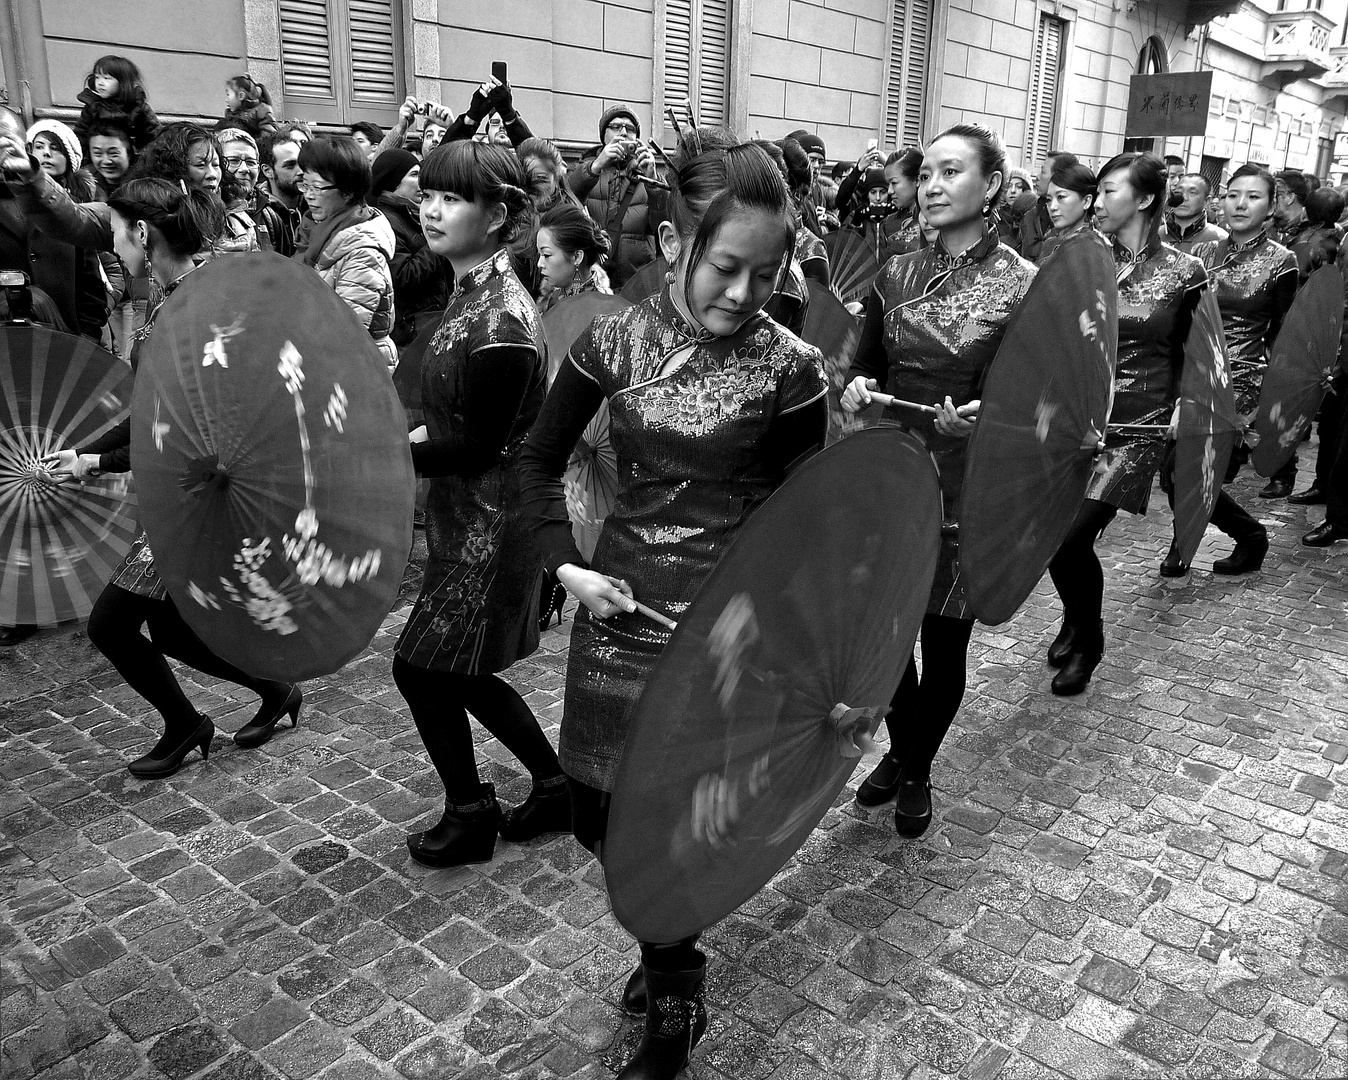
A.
pixel 340 60
pixel 697 57
pixel 1152 58
pixel 1212 169
pixel 1045 87
pixel 905 96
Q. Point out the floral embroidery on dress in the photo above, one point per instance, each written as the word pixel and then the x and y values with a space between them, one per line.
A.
pixel 717 397
pixel 492 311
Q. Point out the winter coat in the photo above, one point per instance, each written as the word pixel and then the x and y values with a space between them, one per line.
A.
pixel 257 120
pixel 141 122
pixel 604 196
pixel 421 279
pixel 357 262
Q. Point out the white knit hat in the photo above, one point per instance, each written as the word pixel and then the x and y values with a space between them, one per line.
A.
pixel 62 133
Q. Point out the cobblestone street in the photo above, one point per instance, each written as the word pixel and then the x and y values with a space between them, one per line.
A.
pixel 1147 881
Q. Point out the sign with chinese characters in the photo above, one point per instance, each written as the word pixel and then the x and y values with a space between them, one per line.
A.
pixel 1170 104
pixel 1341 148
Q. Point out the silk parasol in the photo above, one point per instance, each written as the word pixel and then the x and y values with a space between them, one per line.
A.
pixel 835 332
pixel 852 265
pixel 798 637
pixel 270 452
pixel 569 317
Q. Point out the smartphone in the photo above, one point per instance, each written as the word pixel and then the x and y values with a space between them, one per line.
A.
pixel 872 145
pixel 498 71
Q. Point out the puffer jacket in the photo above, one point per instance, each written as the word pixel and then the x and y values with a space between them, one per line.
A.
pixel 357 263
pixel 257 120
pixel 141 122
pixel 603 196
pixel 421 278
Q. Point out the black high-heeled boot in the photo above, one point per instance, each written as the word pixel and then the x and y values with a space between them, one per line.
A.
pixel 166 758
pixel 1061 648
pixel 675 1020
pixel 1086 655
pixel 465 834
pixel 262 726
pixel 546 810
pixel 634 993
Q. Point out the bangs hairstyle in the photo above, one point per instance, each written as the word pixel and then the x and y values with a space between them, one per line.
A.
pixel 340 161
pixel 486 174
pixel 110 129
pixel 186 222
pixel 130 84
pixel 1257 171
pixel 719 181
pixel 991 154
pixel 1077 178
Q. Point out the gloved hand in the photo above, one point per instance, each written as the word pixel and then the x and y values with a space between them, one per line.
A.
pixel 479 106
pixel 501 98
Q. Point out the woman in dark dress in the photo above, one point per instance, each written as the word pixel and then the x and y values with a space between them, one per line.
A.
pixel 1071 195
pixel 1159 289
pixel 710 403
pixel 481 388
pixel 933 324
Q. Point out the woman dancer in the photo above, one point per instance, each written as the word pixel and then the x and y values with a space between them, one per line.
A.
pixel 933 324
pixel 710 401
pixel 1071 196
pixel 1159 288
pixel 571 248
pixel 902 231
pixel 482 386
pixel 1255 281
pixel 157 230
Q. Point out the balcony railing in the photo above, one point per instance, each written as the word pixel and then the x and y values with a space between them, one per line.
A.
pixel 1297 47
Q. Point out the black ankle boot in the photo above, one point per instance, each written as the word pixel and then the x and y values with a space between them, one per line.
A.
pixel 546 810
pixel 1245 559
pixel 879 788
pixel 465 834
pixel 634 993
pixel 1172 566
pixel 675 1021
pixel 1062 645
pixel 1076 673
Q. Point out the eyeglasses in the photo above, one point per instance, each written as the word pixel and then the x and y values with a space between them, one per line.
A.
pixel 315 189
pixel 235 162
pixel 622 127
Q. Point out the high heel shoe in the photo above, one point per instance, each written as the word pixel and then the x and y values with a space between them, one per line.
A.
pixel 1076 673
pixel 464 834
pixel 544 811
pixel 262 726
pixel 1061 648
pixel 553 599
pixel 164 761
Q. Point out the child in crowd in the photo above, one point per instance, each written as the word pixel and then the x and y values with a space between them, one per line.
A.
pixel 248 107
pixel 114 93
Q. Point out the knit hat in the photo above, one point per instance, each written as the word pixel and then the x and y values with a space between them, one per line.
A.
pixel 811 143
pixel 68 139
pixel 389 169
pixel 614 111
pixel 875 178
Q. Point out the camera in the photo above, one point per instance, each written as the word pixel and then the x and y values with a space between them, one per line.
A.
pixel 18 296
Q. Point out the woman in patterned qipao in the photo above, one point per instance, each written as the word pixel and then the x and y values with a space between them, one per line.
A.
pixel 481 388
pixel 933 324
pixel 1159 289
pixel 710 402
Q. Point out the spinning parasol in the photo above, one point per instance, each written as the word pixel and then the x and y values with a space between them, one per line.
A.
pixel 1206 432
pixel 61 540
pixel 796 639
pixel 271 456
pixel 591 482
pixel 852 265
pixel 645 282
pixel 835 331
pixel 1299 374
pixel 1044 408
pixel 569 317
pixel 411 360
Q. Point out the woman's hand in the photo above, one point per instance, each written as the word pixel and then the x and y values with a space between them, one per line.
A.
pixel 957 423
pixel 418 435
pixel 603 595
pixel 858 394
pixel 77 465
pixel 1174 422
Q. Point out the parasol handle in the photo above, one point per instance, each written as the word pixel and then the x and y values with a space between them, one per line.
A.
pixel 855 728
pixel 1139 427
pixel 651 613
pixel 891 400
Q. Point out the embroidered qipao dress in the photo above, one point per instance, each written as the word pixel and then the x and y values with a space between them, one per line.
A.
pixel 478 608
pixel 933 325
pixel 1159 289
pixel 693 419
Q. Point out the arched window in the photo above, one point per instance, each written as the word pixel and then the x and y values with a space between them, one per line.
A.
pixel 1152 60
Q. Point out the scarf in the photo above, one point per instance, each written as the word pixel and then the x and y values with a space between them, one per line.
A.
pixel 322 231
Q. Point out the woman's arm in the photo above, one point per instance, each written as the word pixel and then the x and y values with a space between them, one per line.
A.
pixel 113 448
pixel 1284 292
pixel 870 361
pixel 816 269
pixel 360 280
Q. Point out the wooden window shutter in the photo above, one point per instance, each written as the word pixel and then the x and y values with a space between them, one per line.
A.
pixel 697 57
pixel 306 50
pixel 1045 81
pixel 905 97
pixel 678 75
pixel 373 62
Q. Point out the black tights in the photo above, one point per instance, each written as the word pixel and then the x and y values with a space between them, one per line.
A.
pixel 924 707
pixel 440 702
pixel 1076 570
pixel 115 629
pixel 589 822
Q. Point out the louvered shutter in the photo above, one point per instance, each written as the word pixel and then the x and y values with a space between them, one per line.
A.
pixel 1045 78
pixel 373 72
pixel 306 49
pixel 713 61
pixel 678 51
pixel 906 73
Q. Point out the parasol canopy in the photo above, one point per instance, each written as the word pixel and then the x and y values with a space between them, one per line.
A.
pixel 852 265
pixel 1044 407
pixel 795 640
pixel 61 541
pixel 271 456
pixel 835 332
pixel 411 361
pixel 567 319
pixel 591 482
pixel 645 282
pixel 1299 373
pixel 1206 432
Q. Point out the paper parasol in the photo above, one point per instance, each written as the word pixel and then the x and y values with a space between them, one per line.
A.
pixel 1044 408
pixel 835 331
pixel 815 605
pixel 411 361
pixel 852 265
pixel 1300 371
pixel 270 452
pixel 1206 432
pixel 647 281
pixel 569 317
pixel 591 482
pixel 61 540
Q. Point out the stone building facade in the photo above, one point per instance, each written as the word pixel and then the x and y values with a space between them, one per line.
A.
pixel 1045 73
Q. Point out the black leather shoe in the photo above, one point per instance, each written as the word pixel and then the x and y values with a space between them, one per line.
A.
pixel 465 834
pixel 1075 675
pixel 634 993
pixel 544 811
pixel 879 788
pixel 1172 566
pixel 1276 489
pixel 1312 496
pixel 262 726
pixel 1245 559
pixel 1325 534
pixel 167 756
pixel 1062 645
pixel 912 808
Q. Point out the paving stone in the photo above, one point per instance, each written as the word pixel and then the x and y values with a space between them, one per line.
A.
pixel 186 1050
pixel 151 1011
pixel 268 1023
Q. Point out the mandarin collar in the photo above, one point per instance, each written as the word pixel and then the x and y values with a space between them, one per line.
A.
pixel 493 266
pixel 687 330
pixel 980 250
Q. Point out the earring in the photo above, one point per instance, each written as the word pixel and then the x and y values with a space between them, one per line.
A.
pixel 669 277
pixel 986 207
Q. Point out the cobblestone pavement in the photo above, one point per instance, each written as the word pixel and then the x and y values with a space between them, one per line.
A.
pixel 1148 881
